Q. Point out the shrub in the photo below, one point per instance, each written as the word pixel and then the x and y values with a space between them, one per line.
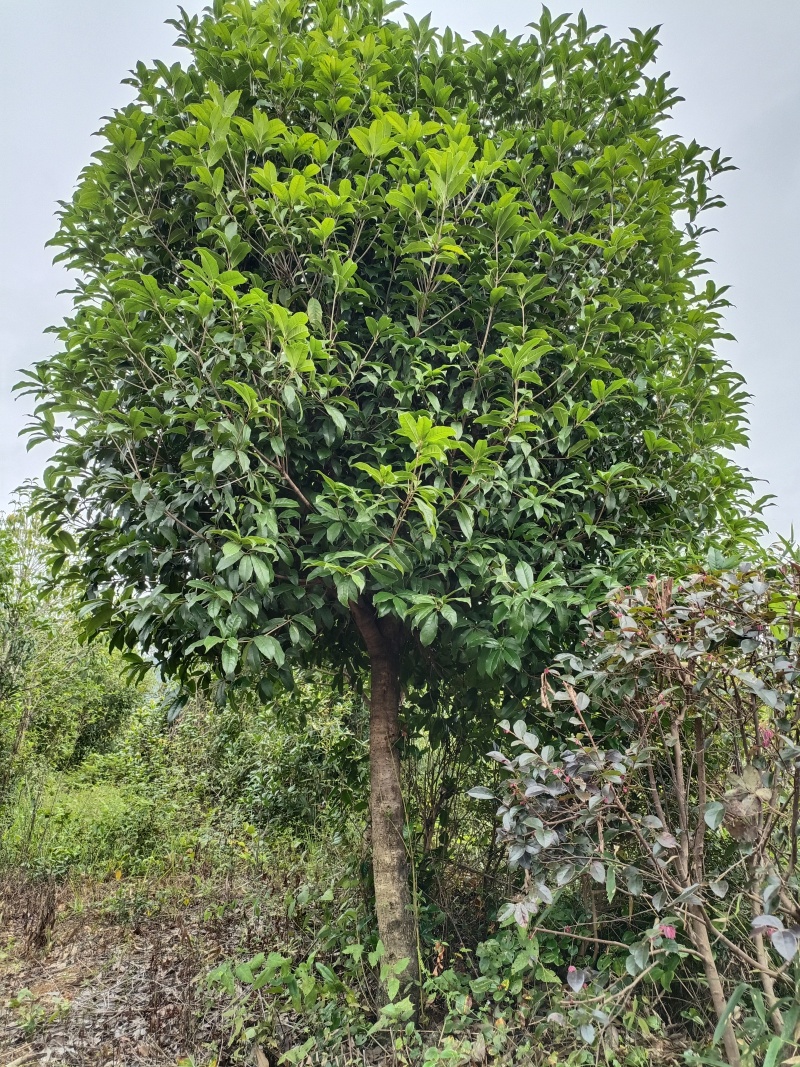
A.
pixel 666 768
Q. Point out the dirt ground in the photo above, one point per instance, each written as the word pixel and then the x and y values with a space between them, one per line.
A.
pixel 112 974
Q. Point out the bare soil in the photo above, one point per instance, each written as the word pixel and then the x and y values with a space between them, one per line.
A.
pixel 112 974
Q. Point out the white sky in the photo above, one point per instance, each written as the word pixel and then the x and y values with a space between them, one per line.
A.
pixel 735 62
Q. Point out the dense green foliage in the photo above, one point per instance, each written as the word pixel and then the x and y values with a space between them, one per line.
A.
pixel 59 699
pixel 18 566
pixel 367 311
pixel 96 776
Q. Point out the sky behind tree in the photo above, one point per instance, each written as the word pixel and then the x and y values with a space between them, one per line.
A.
pixel 735 63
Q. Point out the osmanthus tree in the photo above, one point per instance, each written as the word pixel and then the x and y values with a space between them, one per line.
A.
pixel 387 348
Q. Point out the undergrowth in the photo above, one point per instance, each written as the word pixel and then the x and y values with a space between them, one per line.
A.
pixel 246 830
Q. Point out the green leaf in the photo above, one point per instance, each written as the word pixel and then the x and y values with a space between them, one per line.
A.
pixel 774 1050
pixel 229 558
pixel 230 656
pixel 713 814
pixel 338 418
pixel 222 460
pixel 314 312
pixel 262 572
pixel 718 561
pixel 269 648
pixel 638 958
pixel 562 202
pixel 429 629
pixel 298 1053
pixel 730 1007
pixel 611 883
pixel 524 575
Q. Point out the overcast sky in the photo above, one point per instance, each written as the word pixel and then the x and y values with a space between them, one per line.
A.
pixel 735 62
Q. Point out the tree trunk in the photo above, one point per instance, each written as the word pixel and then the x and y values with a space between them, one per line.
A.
pixel 397 924
pixel 767 983
pixel 703 946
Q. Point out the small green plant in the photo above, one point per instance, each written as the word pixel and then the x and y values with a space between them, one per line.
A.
pixel 32 1015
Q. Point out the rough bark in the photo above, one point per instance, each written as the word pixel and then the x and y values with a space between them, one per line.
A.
pixel 393 903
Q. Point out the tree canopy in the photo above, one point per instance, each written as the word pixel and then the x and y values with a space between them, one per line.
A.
pixel 385 345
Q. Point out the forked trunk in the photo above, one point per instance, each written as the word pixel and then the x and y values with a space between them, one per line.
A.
pixel 393 904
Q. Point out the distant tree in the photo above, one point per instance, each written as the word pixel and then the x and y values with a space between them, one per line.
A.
pixel 59 699
pixel 387 349
pixel 21 567
pixel 21 624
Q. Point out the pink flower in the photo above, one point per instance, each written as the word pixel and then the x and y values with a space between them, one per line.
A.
pixel 571 969
pixel 765 734
pixel 667 931
pixel 567 929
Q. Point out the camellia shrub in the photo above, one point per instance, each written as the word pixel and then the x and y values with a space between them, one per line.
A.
pixel 666 769
pixel 389 351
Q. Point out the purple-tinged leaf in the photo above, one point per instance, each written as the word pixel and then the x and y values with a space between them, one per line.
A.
pixel 785 942
pixel 766 922
pixel 634 880
pixel 587 1033
pixel 689 896
pixel 480 792
pixel 597 871
pixel 565 874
